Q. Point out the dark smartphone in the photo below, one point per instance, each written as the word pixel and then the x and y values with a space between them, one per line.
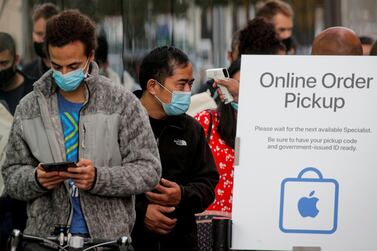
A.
pixel 58 166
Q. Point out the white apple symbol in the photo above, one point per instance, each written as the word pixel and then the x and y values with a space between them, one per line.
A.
pixel 307 206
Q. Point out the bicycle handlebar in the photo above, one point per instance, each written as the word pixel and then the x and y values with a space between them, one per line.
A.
pixel 77 242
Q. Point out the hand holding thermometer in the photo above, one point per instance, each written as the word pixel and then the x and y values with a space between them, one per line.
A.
pixel 221 73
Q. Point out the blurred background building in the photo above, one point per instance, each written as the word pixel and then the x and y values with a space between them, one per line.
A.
pixel 202 28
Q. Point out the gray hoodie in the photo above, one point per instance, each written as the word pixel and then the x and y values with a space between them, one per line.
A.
pixel 114 132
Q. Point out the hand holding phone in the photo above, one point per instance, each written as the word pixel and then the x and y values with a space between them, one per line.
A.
pixel 48 178
pixel 58 166
pixel 221 73
pixel 83 175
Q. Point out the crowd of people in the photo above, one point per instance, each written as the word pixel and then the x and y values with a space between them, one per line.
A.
pixel 142 167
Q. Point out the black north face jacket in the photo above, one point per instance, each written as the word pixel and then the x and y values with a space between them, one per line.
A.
pixel 187 160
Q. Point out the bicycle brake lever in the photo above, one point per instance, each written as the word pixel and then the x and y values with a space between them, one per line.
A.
pixel 15 239
pixel 123 243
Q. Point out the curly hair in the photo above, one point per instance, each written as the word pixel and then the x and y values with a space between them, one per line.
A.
pixel 258 37
pixel 70 26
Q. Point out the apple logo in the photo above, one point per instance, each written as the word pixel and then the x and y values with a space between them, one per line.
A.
pixel 307 206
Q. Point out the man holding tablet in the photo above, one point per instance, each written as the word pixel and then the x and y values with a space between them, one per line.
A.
pixel 76 115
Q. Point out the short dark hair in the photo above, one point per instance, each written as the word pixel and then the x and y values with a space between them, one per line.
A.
pixel 102 49
pixel 70 26
pixel 272 7
pixel 160 64
pixel 258 37
pixel 7 43
pixel 45 11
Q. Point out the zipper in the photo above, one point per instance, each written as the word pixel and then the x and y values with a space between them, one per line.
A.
pixel 78 157
pixel 83 135
pixel 159 136
pixel 162 132
pixel 83 125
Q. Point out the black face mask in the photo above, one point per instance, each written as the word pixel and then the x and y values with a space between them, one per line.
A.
pixel 6 75
pixel 40 49
pixel 289 43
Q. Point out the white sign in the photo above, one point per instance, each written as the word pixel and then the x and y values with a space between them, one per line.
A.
pixel 307 171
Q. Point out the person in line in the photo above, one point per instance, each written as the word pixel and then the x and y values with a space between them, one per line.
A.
pixel 220 128
pixel 6 120
pixel 280 14
pixel 165 217
pixel 101 58
pixel 14 85
pixel 337 41
pixel 37 67
pixel 74 114
pixel 258 37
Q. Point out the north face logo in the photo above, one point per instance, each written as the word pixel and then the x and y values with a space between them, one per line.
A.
pixel 180 142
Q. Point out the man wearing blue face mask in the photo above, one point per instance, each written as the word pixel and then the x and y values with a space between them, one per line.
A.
pixel 76 115
pixel 165 217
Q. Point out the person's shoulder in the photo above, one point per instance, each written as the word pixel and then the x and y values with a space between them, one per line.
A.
pixel 29 99
pixel 28 106
pixel 116 94
pixel 107 86
pixel 204 114
pixel 191 123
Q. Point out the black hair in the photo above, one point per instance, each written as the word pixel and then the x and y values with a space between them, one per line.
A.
pixel 70 26
pixel 160 64
pixel 7 43
pixel 366 40
pixel 102 49
pixel 258 37
pixel 227 115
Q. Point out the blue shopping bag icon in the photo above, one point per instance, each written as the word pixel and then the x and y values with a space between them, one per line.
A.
pixel 309 205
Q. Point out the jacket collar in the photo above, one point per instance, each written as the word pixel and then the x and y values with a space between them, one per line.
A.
pixel 177 121
pixel 46 84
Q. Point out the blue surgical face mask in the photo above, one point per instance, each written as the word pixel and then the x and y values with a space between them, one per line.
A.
pixel 70 81
pixel 234 105
pixel 180 102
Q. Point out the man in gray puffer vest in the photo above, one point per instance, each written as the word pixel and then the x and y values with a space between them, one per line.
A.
pixel 76 115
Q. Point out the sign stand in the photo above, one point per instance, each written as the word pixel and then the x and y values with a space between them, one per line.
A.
pixel 306 249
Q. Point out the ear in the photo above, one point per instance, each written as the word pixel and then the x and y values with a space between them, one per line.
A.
pixel 151 86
